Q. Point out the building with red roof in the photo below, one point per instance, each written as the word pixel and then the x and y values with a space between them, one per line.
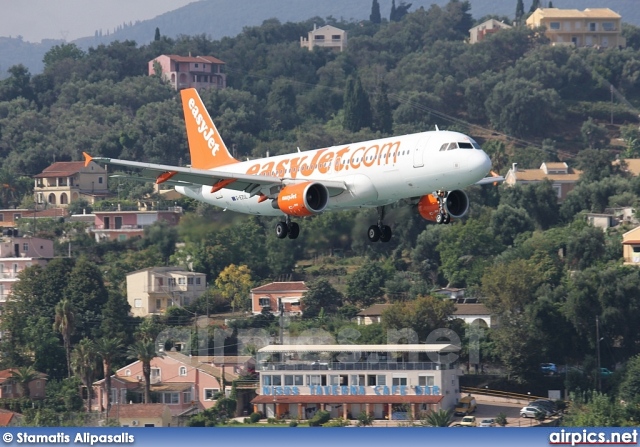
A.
pixel 65 182
pixel 189 71
pixel 271 295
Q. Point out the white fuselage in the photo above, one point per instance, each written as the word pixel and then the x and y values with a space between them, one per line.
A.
pixel 376 172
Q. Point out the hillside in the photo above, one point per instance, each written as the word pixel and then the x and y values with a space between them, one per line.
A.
pixel 220 18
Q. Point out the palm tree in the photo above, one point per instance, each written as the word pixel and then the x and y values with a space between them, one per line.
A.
pixel 145 351
pixel 24 375
pixel 108 348
pixel 83 361
pixel 65 324
pixel 440 418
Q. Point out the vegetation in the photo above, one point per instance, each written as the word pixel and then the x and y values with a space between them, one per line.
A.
pixel 537 264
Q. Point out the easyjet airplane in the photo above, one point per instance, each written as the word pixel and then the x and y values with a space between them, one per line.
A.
pixel 430 168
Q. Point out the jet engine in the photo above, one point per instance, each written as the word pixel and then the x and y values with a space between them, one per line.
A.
pixel 302 199
pixel 456 204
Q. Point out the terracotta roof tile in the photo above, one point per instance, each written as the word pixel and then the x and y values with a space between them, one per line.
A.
pixel 292 286
pixel 138 410
pixel 62 169
pixel 471 309
pixel 195 59
pixel 374 310
pixel 5 419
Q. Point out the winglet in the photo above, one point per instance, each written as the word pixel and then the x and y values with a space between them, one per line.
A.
pixel 205 143
pixel 87 159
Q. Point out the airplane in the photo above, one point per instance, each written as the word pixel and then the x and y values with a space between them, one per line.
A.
pixel 429 168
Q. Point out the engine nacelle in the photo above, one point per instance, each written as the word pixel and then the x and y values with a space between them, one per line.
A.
pixel 302 199
pixel 456 205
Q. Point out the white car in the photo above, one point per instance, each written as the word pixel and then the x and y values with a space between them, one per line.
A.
pixel 530 412
pixel 487 422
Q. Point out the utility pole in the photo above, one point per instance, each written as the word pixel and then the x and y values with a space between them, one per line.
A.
pixel 281 309
pixel 598 353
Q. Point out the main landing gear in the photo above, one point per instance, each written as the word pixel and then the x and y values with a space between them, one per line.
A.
pixel 287 228
pixel 443 216
pixel 379 232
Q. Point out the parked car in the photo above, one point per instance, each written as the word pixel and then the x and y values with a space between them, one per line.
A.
pixel 531 411
pixel 548 405
pixel 604 372
pixel 487 422
pixel 468 421
pixel 549 368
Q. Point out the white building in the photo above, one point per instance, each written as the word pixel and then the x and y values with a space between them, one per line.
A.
pixel 386 381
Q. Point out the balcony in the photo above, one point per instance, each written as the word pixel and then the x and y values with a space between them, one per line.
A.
pixel 356 366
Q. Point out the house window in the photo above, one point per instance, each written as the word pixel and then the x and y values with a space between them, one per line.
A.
pixel 399 381
pixel 196 65
pixel 172 281
pixel 100 180
pixel 293 380
pixel 319 37
pixel 155 373
pixel 608 26
pixel 25 247
pixel 382 380
pixel 190 281
pixel 182 371
pixel 1 217
pixel 264 302
pixel 426 380
pixel 198 281
pixel 137 303
pixel 114 395
pixel 592 26
pixel 554 25
pixel 127 372
pixel 335 37
pixel 186 397
pixel 171 398
pixel 210 393
pixel 181 281
pixel 158 304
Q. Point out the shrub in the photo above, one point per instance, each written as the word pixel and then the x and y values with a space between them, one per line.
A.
pixel 293 424
pixel 338 422
pixel 255 417
pixel 501 419
pixel 319 418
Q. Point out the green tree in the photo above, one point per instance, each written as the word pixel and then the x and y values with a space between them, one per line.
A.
pixel 593 409
pixel 594 135
pixel 366 285
pixel 357 108
pixel 144 351
pixel 382 120
pixel 375 16
pixel 86 291
pixel 156 36
pixel 83 362
pixel 519 13
pixel 321 295
pixel 108 350
pixel 65 319
pixel 422 315
pixel 23 376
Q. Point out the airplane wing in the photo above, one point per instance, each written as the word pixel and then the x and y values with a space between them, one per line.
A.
pixel 217 179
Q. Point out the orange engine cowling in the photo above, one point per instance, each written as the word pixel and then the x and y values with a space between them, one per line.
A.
pixel 456 205
pixel 302 199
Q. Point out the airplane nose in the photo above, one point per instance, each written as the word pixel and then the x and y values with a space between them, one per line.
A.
pixel 486 162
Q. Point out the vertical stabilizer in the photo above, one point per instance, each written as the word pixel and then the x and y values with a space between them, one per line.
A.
pixel 205 144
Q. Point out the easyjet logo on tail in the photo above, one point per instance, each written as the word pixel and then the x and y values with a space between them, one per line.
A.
pixel 206 132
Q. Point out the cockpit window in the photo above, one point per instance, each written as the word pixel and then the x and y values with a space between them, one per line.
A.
pixel 476 145
pixel 444 147
pixel 465 145
pixel 452 146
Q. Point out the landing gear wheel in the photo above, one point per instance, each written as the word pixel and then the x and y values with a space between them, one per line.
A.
pixel 447 219
pixel 294 230
pixel 374 233
pixel 281 230
pixel 385 234
pixel 440 218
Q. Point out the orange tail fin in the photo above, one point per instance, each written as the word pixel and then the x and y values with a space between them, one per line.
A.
pixel 205 144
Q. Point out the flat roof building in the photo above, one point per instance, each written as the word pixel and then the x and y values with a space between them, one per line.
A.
pixel 385 381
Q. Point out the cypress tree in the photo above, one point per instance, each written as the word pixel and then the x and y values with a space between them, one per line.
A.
pixel 375 12
pixel 157 36
pixel 392 16
pixel 535 5
pixel 382 117
pixel 357 108
pixel 519 12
